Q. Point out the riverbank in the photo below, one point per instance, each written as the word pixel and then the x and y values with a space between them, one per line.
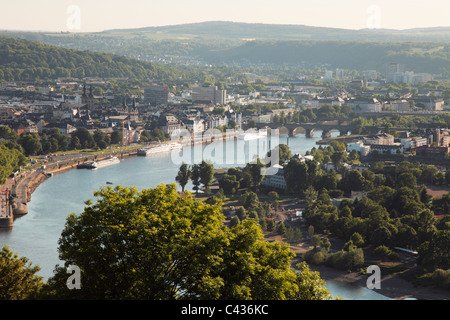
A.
pixel 21 187
pixel 392 285
pixel 341 139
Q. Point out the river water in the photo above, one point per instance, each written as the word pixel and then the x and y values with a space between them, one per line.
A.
pixel 36 235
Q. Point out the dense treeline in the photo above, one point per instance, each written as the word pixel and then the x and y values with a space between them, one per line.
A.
pixel 359 124
pixel 33 144
pixel 393 208
pixel 394 211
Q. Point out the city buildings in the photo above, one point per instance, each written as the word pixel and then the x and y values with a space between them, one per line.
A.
pixel 365 104
pixel 169 124
pixel 209 95
pixel 156 95
pixel 429 103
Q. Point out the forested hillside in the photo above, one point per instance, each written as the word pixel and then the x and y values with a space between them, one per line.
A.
pixel 29 60
pixel 418 57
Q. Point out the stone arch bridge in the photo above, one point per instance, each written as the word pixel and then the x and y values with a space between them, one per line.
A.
pixel 308 129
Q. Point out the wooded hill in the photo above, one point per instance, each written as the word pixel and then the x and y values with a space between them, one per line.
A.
pixel 29 60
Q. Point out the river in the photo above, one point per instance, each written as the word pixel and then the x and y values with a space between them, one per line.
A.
pixel 36 235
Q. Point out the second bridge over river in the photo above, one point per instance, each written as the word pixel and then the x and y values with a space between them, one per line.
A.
pixel 308 129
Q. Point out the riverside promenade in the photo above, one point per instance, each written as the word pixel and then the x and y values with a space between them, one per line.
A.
pixel 6 214
pixel 15 194
pixel 21 187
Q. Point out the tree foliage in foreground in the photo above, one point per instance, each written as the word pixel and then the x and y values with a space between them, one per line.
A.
pixel 155 244
pixel 10 160
pixel 18 279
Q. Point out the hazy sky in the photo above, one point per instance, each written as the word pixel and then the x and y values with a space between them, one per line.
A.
pixel 99 15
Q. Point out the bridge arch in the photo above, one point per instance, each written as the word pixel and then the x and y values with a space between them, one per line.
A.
pixel 296 130
pixel 282 130
pixel 292 129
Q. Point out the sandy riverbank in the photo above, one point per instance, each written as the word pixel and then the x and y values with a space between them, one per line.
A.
pixel 392 286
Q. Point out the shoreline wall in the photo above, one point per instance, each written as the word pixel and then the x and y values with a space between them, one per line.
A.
pixel 25 187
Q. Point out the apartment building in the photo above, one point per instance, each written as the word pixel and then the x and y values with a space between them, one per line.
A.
pixel 156 95
pixel 209 95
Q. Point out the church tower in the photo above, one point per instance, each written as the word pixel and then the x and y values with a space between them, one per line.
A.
pixel 88 99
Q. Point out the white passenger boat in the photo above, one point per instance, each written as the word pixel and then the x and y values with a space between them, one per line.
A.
pixel 102 163
pixel 252 135
pixel 167 147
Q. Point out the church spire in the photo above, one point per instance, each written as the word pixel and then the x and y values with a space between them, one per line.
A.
pixel 124 103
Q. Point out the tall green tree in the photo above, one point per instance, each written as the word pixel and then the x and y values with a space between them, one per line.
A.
pixel 30 143
pixel 102 140
pixel 154 244
pixel 183 176
pixel 284 153
pixel 229 184
pixel 116 137
pixel 195 177
pixel 436 252
pixel 85 137
pixel 296 175
pixel 206 173
pixel 311 285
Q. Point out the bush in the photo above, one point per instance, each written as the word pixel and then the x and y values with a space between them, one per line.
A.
pixel 357 239
pixel 281 229
pixel 293 234
pixel 347 260
pixel 319 257
pixel 384 251
pixel 441 278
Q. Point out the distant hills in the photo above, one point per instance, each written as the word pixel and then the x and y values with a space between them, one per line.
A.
pixel 418 57
pixel 239 30
pixel 221 42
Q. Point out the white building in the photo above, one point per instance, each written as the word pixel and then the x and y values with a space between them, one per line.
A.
pixel 412 143
pixel 365 105
pixel 370 74
pixel 214 121
pixel 328 76
pixel 398 105
pixel 277 180
pixel 194 125
pixel 410 77
pixel 360 147
pixel 380 139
